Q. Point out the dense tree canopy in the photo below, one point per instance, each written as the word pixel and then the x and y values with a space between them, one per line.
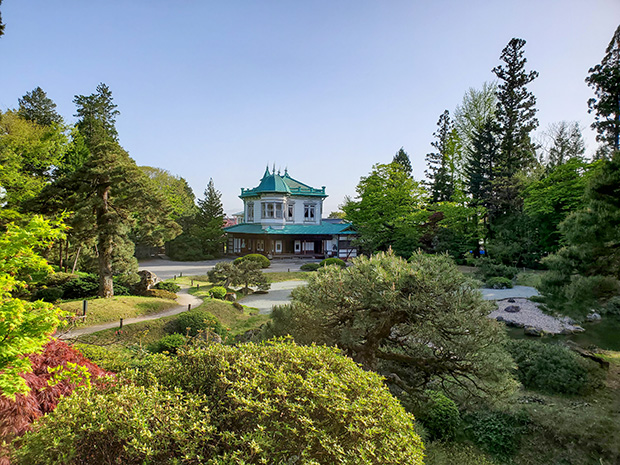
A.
pixel 37 107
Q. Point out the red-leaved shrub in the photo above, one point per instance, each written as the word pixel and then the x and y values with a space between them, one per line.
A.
pixel 17 415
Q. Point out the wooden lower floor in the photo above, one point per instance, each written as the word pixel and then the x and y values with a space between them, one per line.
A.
pixel 291 245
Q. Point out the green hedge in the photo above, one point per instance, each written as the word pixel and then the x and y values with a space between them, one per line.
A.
pixel 254 257
pixel 333 261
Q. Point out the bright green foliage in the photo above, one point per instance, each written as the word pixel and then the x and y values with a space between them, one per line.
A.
pixel 217 292
pixel 333 261
pixel 24 326
pixel 387 211
pixel 168 286
pixel 418 323
pixel 605 79
pixel 122 423
pixel 454 228
pixel 170 343
pixel 278 402
pixel 554 369
pixel 254 257
pixel 28 155
pixel 550 200
pixel 193 322
pixel 176 191
pixel 309 267
pixel 37 107
pixel 441 417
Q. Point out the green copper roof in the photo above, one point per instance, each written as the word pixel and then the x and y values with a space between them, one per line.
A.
pixel 313 229
pixel 273 182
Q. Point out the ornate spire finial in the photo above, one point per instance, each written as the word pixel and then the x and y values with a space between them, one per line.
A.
pixel 286 171
pixel 274 168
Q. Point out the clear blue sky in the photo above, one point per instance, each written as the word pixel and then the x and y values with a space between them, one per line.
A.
pixel 325 88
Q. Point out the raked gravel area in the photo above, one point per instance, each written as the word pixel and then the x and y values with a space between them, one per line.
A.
pixel 530 315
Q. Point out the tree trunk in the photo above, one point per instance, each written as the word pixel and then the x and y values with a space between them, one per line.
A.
pixel 105 243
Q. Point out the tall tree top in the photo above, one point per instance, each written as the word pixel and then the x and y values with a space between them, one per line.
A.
pixel 211 206
pixel 604 78
pixel 97 115
pixel 37 107
pixel 403 160
pixel 1 24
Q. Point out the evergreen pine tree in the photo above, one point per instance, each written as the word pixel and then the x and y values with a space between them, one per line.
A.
pixel 439 173
pixel 37 107
pixel 210 220
pixel 604 78
pixel 97 116
pixel 403 160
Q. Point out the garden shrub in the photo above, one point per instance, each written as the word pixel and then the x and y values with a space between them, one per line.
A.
pixel 453 453
pixel 486 269
pixel 254 257
pixel 195 321
pixel 49 294
pixel 310 267
pixel 169 343
pixel 17 415
pixel 499 283
pixel 553 368
pixel 86 285
pixel 440 416
pixel 282 403
pixel 498 433
pixel 218 292
pixel 59 278
pixel 333 261
pixel 168 286
pixel 160 294
pixel 612 307
pixel 122 423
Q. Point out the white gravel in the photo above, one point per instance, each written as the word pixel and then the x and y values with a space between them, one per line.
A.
pixel 530 315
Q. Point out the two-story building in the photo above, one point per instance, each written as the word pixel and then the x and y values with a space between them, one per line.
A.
pixel 282 217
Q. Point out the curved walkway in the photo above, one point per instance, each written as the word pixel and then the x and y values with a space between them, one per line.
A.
pixel 183 298
pixel 279 294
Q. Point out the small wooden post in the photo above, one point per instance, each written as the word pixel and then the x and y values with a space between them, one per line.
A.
pixel 181 275
pixel 289 270
pixel 175 277
pixel 197 287
pixel 189 307
pixel 192 283
pixel 84 307
pixel 121 327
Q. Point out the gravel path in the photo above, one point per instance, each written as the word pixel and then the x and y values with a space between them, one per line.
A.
pixel 515 292
pixel 530 315
pixel 279 294
pixel 183 298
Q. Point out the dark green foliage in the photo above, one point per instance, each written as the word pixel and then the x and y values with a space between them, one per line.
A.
pixel 37 107
pixel 2 25
pixel 486 268
pixel 440 417
pixel 185 248
pixel 244 273
pixel 612 307
pixel 49 294
pixel 238 306
pixel 254 257
pixel 170 343
pixel 309 267
pixel 403 160
pixel 209 221
pixel 455 453
pixel 194 321
pixel 440 173
pixel 498 282
pixel 58 279
pixel 604 78
pixel 389 315
pixel 217 292
pixel 122 423
pixel 96 115
pixel 498 433
pixel 86 285
pixel 333 261
pixel 554 369
pixel 168 286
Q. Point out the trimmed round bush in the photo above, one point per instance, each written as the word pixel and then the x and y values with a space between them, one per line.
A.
pixel 254 403
pixel 333 261
pixel 49 294
pixel 86 285
pixel 498 282
pixel 488 269
pixel 553 368
pixel 254 257
pixel 195 321
pixel 59 278
pixel 168 286
pixel 218 292
pixel 310 267
pixel 170 343
pixel 441 416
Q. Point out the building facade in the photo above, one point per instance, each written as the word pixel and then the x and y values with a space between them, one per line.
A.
pixel 282 217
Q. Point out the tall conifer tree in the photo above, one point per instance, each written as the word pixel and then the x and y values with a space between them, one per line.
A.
pixel 37 107
pixel 439 173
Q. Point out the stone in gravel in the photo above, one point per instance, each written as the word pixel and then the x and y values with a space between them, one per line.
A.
pixel 578 329
pixel 567 331
pixel 593 317
pixel 512 309
pixel 500 318
pixel 514 324
pixel 512 301
pixel 533 331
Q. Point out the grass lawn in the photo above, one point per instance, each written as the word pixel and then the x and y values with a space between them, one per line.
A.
pixel 106 310
pixel 149 331
pixel 279 276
